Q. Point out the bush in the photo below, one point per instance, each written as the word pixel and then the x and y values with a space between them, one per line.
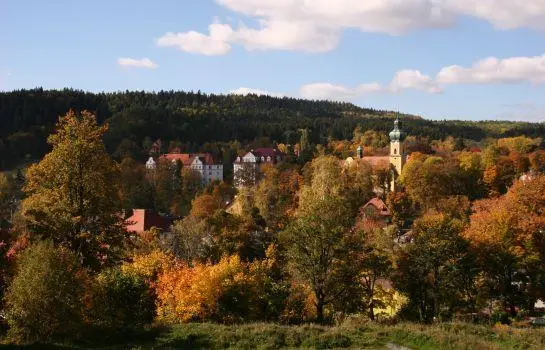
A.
pixel 123 300
pixel 44 300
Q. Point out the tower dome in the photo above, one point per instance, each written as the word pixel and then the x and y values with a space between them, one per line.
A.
pixel 397 134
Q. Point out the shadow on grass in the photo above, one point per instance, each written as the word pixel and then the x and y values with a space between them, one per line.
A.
pixel 191 341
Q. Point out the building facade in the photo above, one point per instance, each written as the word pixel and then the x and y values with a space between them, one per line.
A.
pixel 394 162
pixel 202 163
pixel 246 167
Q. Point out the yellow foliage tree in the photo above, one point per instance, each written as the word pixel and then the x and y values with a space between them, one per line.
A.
pixel 73 193
pixel 194 293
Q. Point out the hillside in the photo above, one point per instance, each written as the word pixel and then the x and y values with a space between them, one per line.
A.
pixel 193 119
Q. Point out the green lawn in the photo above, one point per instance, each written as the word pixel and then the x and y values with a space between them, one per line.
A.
pixel 271 336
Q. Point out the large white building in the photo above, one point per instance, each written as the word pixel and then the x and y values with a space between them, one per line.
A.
pixel 246 167
pixel 202 163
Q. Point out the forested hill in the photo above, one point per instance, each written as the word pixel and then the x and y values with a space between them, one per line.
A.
pixel 28 116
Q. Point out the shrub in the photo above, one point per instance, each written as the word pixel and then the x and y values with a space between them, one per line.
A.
pixel 44 300
pixel 218 292
pixel 123 300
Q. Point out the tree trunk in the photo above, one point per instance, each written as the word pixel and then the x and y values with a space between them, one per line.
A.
pixel 371 311
pixel 320 308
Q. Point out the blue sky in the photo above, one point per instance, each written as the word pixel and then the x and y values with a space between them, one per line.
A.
pixel 437 58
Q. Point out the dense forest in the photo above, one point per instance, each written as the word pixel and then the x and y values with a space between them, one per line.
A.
pixel 193 119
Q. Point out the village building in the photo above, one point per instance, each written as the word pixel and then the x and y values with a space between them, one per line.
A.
pixel 202 163
pixel 374 214
pixel 144 219
pixel 393 162
pixel 246 167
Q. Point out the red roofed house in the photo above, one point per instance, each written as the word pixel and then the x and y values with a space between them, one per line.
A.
pixel 374 214
pixel 250 162
pixel 203 163
pixel 144 219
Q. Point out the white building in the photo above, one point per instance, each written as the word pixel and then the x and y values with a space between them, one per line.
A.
pixel 246 167
pixel 202 163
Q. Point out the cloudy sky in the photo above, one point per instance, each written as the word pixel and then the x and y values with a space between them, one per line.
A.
pixel 454 59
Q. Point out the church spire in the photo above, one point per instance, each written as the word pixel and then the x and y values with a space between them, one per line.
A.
pixel 397 134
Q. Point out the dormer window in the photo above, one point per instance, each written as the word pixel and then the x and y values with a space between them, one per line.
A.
pixel 269 159
pixel 262 158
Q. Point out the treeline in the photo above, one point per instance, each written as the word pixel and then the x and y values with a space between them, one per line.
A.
pixel 195 118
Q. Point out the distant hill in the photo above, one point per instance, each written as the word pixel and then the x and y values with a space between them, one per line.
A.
pixel 195 118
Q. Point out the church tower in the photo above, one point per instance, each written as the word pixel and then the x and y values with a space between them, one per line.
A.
pixel 397 152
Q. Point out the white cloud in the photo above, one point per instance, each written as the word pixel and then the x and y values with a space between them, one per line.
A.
pixel 414 79
pixel 215 43
pixel 247 91
pixel 503 14
pixel 328 91
pixel 403 80
pixel 487 71
pixel 494 70
pixel 316 25
pixel 136 63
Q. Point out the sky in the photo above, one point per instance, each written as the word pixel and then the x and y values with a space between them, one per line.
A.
pixel 441 59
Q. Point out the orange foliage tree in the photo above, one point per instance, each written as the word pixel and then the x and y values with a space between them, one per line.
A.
pixel 508 234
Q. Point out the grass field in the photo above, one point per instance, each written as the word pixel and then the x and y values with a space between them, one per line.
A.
pixel 350 335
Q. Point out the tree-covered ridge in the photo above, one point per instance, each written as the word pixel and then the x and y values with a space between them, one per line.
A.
pixel 195 118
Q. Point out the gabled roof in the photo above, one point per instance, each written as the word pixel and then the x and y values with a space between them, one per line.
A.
pixel 267 152
pixel 188 158
pixel 379 205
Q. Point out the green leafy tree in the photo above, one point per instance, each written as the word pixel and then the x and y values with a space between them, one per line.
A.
pixel 44 300
pixel 136 190
pixel 318 248
pixel 437 271
pixel 73 193
pixel 122 300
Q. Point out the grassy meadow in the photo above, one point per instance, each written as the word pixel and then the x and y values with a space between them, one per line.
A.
pixel 350 335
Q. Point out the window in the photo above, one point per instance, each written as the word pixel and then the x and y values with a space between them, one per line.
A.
pixel 395 150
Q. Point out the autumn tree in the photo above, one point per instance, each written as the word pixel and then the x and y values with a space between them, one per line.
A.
pixel 427 179
pixel 519 144
pixel 437 271
pixel 508 233
pixel 73 193
pixel 136 190
pixel 358 184
pixel 374 265
pixel 400 206
pixel 192 239
pixel 44 300
pixel 499 176
pixel 471 174
pixel 318 247
pixel 537 161
pixel 6 198
pixel 205 205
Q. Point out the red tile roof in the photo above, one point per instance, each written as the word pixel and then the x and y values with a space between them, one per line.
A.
pixel 377 161
pixel 379 205
pixel 267 152
pixel 142 220
pixel 187 158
